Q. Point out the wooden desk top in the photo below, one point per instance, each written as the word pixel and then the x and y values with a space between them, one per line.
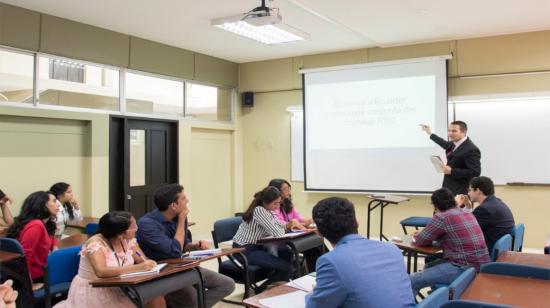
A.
pixel 73 240
pixel 532 259
pixel 254 301
pixel 508 290
pixel 287 236
pixel 168 270
pixel 408 245
pixel 224 252
pixel 6 256
pixel 389 198
pixel 83 222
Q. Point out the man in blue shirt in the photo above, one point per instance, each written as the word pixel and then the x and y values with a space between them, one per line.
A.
pixel 162 234
pixel 357 272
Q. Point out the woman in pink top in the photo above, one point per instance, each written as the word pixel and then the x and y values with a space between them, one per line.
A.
pixel 287 212
pixel 110 253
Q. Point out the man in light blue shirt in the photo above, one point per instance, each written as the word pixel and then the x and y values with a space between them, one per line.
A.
pixel 357 272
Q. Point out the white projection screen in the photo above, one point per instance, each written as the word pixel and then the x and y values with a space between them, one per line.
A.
pixel 362 128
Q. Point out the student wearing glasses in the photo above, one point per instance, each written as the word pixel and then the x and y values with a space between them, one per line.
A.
pixel 109 253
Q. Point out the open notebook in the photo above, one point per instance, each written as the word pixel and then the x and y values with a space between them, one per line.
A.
pixel 155 270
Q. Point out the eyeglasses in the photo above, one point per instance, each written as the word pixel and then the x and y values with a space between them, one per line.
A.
pixel 286 189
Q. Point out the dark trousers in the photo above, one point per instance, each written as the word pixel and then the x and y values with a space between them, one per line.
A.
pixel 280 266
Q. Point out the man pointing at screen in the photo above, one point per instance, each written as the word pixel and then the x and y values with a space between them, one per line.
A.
pixel 463 157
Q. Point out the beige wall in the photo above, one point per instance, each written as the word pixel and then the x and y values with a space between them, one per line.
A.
pixel 277 83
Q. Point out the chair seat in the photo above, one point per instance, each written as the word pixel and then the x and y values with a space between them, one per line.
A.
pixel 415 221
pixel 57 290
pixel 255 272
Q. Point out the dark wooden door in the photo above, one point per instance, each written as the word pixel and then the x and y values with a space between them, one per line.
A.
pixel 148 158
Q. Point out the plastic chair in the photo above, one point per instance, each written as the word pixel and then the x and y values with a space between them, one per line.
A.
pixel 18 270
pixel 519 231
pixel 236 266
pixel 472 304
pixel 91 228
pixel 61 268
pixel 414 221
pixel 517 270
pixel 461 283
pixel 503 244
pixel 435 299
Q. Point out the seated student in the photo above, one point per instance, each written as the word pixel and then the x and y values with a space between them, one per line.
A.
pixel 493 216
pixel 460 237
pixel 358 272
pixel 7 295
pixel 109 253
pixel 163 235
pixel 259 222
pixel 69 210
pixel 7 219
pixel 286 213
pixel 34 228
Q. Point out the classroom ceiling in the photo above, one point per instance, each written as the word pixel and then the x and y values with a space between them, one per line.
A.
pixel 334 25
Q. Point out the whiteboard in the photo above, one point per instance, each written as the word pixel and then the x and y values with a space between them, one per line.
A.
pixel 297 146
pixel 513 136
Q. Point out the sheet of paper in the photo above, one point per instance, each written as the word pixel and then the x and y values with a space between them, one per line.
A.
pixel 204 252
pixel 289 300
pixel 437 163
pixel 155 270
pixel 304 283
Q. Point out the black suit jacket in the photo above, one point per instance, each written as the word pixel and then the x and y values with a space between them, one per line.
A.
pixel 465 163
pixel 495 219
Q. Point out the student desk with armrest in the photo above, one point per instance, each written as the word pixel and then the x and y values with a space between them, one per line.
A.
pixel 142 288
pixel 297 242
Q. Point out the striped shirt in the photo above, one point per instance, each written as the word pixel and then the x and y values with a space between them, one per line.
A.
pixel 459 235
pixel 263 224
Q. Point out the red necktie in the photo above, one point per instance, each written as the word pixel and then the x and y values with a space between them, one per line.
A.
pixel 450 150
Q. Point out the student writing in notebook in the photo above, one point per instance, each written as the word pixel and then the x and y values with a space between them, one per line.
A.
pixel 110 253
pixel 287 213
pixel 259 222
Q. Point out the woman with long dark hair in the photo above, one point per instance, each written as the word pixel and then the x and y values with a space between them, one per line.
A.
pixel 69 209
pixel 259 222
pixel 109 253
pixel 34 228
pixel 287 212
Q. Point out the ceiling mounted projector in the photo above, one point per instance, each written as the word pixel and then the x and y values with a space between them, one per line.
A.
pixel 262 24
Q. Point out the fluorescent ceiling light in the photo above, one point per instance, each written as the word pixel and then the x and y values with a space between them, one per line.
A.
pixel 268 28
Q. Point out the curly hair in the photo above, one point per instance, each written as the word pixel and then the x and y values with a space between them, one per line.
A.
pixel 34 207
pixel 335 218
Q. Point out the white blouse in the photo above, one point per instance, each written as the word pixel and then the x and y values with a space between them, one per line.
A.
pixel 63 219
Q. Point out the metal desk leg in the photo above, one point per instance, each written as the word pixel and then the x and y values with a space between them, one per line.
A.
pixel 296 258
pixel 371 207
pixel 201 295
pixel 409 262
pixel 382 206
pixel 416 262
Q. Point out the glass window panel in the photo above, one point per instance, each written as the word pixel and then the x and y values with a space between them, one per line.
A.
pixel 207 102
pixel 76 84
pixel 137 157
pixel 149 94
pixel 16 77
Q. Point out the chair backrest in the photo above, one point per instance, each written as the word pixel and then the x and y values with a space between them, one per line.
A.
pixel 517 270
pixel 63 265
pixel 472 304
pixel 11 245
pixel 519 231
pixel 503 244
pixel 91 228
pixel 437 298
pixel 459 285
pixel 225 229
